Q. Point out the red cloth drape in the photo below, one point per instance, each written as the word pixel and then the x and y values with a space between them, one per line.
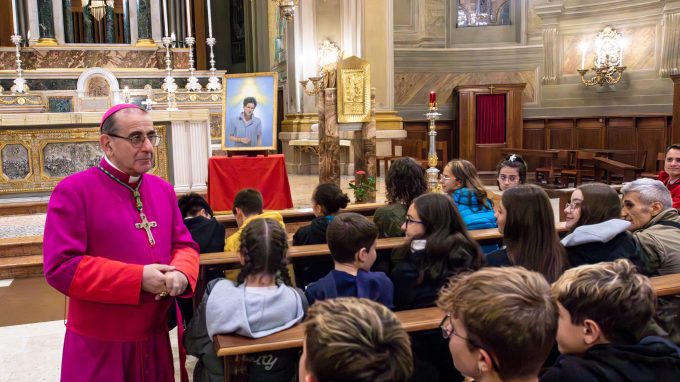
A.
pixel 228 175
pixel 490 118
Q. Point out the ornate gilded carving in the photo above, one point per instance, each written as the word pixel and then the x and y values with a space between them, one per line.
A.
pixel 57 153
pixel 20 100
pixel 189 97
pixel 354 90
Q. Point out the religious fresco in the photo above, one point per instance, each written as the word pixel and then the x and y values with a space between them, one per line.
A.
pixel 15 162
pixel 216 127
pixel 477 13
pixel 63 159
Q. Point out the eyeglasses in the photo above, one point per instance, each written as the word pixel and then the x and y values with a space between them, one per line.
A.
pixel 137 139
pixel 410 220
pixel 572 206
pixel 448 332
pixel 510 178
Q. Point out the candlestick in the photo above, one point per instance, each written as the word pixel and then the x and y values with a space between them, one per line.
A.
pixel 209 21
pixel 188 18
pixel 165 17
pixel 432 173
pixel 15 16
pixel 433 97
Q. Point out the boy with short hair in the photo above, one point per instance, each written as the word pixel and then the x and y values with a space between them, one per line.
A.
pixel 357 340
pixel 604 309
pixel 501 323
pixel 247 207
pixel 352 239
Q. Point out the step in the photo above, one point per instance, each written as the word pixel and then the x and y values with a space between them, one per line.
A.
pixel 21 246
pixel 21 267
pixel 23 208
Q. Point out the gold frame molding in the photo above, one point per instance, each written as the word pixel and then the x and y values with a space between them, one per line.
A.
pixel 27 146
pixel 357 109
pixel 35 141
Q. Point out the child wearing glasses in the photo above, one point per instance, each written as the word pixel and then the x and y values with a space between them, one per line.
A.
pixel 460 180
pixel 603 310
pixel 596 231
pixel 500 323
pixel 511 172
pixel 352 239
pixel 438 247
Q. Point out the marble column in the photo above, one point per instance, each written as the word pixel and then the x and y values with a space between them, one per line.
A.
pixel 110 37
pixel 364 156
pixel 126 22
pixel 329 139
pixel 550 58
pixel 144 23
pixel 88 35
pixel 46 23
pixel 670 45
pixel 68 21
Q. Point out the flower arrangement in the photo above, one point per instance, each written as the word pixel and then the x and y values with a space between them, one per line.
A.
pixel 362 186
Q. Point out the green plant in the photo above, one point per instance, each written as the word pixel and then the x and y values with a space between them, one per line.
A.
pixel 362 186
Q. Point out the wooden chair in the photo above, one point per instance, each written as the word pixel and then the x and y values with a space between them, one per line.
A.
pixel 660 159
pixel 564 161
pixel 584 169
pixel 409 148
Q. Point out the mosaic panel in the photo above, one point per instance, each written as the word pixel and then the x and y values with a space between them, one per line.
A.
pixel 15 162
pixel 63 159
pixel 216 126
pixel 59 104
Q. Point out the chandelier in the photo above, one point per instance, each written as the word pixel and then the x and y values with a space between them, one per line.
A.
pixel 286 7
pixel 98 7
pixel 608 62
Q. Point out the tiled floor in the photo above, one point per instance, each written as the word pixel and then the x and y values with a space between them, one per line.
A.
pixel 31 322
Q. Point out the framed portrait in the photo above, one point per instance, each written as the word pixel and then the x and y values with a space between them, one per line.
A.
pixel 249 111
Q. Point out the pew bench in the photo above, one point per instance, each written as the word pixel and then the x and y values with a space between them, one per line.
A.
pixel 229 346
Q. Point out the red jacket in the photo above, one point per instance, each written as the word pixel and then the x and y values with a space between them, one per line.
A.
pixel 673 188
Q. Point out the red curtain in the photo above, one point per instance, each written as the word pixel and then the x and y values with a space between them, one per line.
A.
pixel 490 118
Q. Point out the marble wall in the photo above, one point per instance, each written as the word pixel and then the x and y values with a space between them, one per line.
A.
pixel 50 58
pixel 545 57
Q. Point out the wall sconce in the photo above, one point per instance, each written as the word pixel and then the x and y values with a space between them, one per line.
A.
pixel 286 8
pixel 329 54
pixel 608 62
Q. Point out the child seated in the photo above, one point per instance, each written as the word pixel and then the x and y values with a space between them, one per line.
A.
pixel 354 340
pixel 205 230
pixel 247 207
pixel 352 239
pixel 260 304
pixel 500 322
pixel 603 310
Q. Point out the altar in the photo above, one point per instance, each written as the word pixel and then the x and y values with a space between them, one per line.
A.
pixel 37 150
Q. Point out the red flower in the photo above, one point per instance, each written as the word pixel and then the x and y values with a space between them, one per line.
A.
pixel 361 172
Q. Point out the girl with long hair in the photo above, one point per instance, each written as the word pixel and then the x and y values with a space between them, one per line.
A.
pixel 460 180
pixel 527 222
pixel 260 303
pixel 511 172
pixel 596 231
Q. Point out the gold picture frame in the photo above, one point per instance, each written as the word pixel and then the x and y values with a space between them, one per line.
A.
pixel 354 90
pixel 238 132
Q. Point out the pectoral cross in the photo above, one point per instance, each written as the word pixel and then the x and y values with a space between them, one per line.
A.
pixel 146 225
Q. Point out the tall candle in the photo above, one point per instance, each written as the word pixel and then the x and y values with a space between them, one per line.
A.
pixel 188 18
pixel 621 55
pixel 165 17
pixel 433 97
pixel 15 16
pixel 209 20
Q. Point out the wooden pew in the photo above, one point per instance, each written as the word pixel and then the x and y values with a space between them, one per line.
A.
pixel 628 172
pixel 230 345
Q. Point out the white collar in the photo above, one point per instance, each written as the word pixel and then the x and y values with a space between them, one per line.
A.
pixel 133 179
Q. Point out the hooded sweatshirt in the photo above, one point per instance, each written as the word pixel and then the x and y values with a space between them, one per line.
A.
pixel 233 242
pixel 654 359
pixel 250 312
pixel 606 241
